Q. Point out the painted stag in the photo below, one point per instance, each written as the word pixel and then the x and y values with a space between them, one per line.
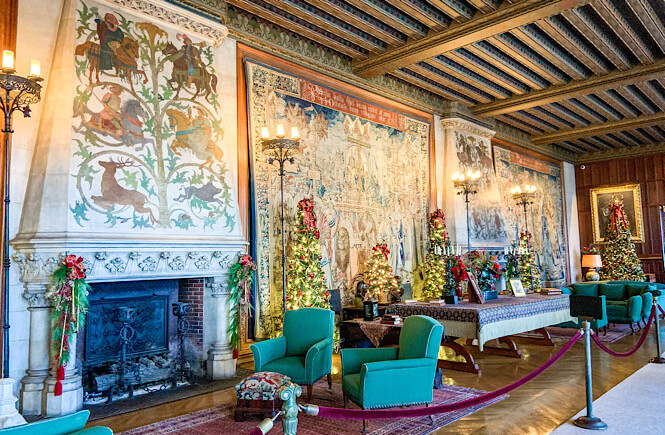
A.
pixel 114 194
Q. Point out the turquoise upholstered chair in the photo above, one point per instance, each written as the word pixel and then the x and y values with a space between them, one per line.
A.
pixel 390 376
pixel 71 424
pixel 303 352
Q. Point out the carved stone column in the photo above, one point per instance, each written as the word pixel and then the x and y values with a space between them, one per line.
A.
pixel 221 364
pixel 38 358
pixel 71 399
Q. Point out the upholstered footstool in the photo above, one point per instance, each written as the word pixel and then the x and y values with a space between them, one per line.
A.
pixel 257 394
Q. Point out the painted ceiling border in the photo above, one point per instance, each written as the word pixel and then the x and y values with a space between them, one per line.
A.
pixel 621 153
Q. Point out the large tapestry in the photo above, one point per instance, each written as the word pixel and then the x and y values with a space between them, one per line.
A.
pixel 486 223
pixel 365 166
pixel 545 217
pixel 147 129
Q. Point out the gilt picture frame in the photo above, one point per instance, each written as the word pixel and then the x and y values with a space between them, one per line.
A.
pixel 631 196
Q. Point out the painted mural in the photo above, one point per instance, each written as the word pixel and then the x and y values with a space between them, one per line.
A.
pixel 487 225
pixel 366 167
pixel 546 215
pixel 147 129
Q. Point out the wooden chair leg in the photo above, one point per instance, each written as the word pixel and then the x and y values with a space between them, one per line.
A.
pixel 365 422
pixel 309 392
pixel 431 419
pixel 329 381
pixel 632 330
pixel 344 399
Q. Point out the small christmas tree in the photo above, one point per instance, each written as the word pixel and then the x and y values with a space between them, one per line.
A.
pixel 620 262
pixel 435 270
pixel 529 273
pixel 305 281
pixel 379 275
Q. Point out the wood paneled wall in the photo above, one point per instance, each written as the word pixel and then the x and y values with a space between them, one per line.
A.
pixel 649 171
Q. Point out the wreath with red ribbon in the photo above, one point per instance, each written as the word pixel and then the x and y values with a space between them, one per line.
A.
pixel 69 295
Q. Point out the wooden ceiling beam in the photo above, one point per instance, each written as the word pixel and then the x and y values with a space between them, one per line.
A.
pixel 617 22
pixel 550 117
pixel 598 143
pixel 533 38
pixel 572 147
pixel 423 12
pixel 360 19
pixel 303 30
pixel 587 26
pixel 648 16
pixel 330 23
pixel 599 129
pixel 574 88
pixel 652 93
pixel 582 110
pixel 535 120
pixel 435 88
pixel 528 57
pixel 391 16
pixel 489 54
pixel 485 6
pixel 477 80
pixel 556 29
pixel 507 17
pixel 452 82
pixel 567 114
pixel 517 123
pixel 596 105
pixel 612 102
pixel 614 141
pixel 636 100
pixel 457 10
pixel 478 66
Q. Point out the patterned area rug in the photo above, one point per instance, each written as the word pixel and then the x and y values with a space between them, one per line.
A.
pixel 219 420
pixel 614 333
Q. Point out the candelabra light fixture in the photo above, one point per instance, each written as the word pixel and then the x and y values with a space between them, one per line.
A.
pixel 467 184
pixel 281 150
pixel 523 196
pixel 19 93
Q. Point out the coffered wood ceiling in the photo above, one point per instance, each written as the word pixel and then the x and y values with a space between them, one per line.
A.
pixel 582 75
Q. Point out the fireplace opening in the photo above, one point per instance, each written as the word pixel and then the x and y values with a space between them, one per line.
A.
pixel 140 336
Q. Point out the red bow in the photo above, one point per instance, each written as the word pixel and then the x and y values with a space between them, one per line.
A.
pixel 382 248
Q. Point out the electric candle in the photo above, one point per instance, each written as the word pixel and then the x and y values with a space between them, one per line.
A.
pixel 8 60
pixel 280 131
pixel 35 68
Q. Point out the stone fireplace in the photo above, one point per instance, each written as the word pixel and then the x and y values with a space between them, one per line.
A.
pixel 137 211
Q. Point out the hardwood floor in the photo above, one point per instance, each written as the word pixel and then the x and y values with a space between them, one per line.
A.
pixel 536 408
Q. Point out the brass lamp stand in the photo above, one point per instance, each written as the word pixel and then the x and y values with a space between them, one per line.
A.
pixel 467 185
pixel 19 93
pixel 282 150
pixel 524 198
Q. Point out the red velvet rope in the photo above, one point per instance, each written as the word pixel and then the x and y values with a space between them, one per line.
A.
pixel 256 431
pixel 639 343
pixel 360 414
pixel 661 310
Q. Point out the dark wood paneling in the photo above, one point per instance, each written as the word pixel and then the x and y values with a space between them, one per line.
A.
pixel 646 170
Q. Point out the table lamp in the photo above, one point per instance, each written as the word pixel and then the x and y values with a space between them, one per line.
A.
pixel 592 262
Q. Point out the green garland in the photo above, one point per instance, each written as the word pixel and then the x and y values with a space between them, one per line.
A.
pixel 241 276
pixel 69 295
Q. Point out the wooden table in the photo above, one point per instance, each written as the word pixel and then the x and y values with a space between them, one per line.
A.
pixel 494 320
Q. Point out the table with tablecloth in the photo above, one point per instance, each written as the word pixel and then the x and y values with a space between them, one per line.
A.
pixel 496 318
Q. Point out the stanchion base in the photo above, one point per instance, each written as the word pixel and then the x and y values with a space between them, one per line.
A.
pixel 593 423
pixel 657 360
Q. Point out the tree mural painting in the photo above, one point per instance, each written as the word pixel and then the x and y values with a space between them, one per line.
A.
pixel 147 128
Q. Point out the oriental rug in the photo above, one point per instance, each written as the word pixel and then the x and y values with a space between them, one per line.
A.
pixel 219 420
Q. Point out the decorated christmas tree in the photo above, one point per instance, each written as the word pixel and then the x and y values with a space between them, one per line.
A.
pixel 529 272
pixel 620 262
pixel 305 281
pixel 435 270
pixel 379 275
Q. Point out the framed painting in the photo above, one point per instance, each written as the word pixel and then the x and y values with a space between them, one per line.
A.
pixel 516 287
pixel 475 295
pixel 602 197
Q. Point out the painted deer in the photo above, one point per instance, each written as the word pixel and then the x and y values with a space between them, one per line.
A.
pixel 114 194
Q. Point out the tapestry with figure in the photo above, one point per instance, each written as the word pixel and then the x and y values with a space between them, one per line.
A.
pixel 545 216
pixel 365 166
pixel 147 129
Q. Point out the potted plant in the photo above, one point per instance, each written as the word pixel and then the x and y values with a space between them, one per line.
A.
pixel 456 276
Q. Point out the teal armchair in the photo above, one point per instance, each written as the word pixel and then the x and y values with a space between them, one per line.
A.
pixel 72 424
pixel 303 352
pixel 387 377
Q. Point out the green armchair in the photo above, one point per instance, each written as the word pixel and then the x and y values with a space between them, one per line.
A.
pixel 303 352
pixel 72 424
pixel 387 377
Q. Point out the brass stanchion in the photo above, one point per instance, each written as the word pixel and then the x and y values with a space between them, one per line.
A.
pixel 658 359
pixel 589 421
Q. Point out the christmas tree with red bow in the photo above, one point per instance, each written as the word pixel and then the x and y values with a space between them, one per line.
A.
pixel 620 262
pixel 379 275
pixel 305 283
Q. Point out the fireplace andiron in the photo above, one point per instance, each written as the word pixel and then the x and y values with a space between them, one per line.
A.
pixel 181 370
